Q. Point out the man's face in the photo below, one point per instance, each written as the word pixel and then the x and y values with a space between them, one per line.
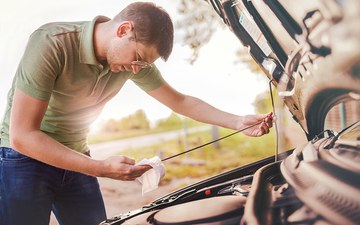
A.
pixel 126 54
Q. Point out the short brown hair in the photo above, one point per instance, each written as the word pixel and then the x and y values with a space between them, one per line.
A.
pixel 152 24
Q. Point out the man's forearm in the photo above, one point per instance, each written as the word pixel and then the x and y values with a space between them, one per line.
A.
pixel 41 147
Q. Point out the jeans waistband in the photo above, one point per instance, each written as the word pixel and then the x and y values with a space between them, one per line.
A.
pixel 6 153
pixel 9 153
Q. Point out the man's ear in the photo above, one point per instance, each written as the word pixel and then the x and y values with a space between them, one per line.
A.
pixel 124 28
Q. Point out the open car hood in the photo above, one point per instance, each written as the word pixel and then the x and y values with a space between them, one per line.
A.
pixel 310 51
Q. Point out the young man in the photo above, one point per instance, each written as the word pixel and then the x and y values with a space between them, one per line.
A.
pixel 67 74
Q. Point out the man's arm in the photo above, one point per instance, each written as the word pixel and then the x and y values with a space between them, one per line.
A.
pixel 27 138
pixel 201 111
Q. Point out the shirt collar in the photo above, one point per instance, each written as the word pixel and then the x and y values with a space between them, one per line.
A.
pixel 86 49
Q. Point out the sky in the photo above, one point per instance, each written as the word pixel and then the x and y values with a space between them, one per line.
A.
pixel 214 77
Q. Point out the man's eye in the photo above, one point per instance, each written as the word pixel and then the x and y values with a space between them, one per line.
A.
pixel 139 58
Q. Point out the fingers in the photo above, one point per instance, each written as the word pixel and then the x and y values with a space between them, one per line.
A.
pixel 132 173
pixel 126 160
pixel 137 171
pixel 269 119
pixel 261 129
pixel 267 123
pixel 265 128
pixel 144 167
pixel 123 168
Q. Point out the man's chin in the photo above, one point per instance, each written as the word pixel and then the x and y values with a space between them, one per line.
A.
pixel 115 71
pixel 118 70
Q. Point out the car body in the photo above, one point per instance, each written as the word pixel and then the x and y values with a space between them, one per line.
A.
pixel 310 51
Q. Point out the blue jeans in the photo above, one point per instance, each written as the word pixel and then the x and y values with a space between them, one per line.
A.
pixel 30 190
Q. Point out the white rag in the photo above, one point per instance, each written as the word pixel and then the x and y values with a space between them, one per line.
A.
pixel 151 178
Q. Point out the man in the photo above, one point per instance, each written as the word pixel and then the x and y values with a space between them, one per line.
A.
pixel 67 74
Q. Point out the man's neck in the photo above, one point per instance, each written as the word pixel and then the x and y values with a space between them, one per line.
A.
pixel 100 41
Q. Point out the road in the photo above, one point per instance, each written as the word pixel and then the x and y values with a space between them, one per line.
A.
pixel 104 150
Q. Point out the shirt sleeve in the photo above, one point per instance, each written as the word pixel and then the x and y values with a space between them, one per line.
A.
pixel 148 79
pixel 39 66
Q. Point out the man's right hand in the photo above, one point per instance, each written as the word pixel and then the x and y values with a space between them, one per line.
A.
pixel 121 168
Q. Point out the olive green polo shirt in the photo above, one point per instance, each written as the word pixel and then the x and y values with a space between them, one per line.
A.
pixel 59 66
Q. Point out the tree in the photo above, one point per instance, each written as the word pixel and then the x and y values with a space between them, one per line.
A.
pixel 139 120
pixel 109 126
pixel 172 121
pixel 135 121
pixel 198 21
